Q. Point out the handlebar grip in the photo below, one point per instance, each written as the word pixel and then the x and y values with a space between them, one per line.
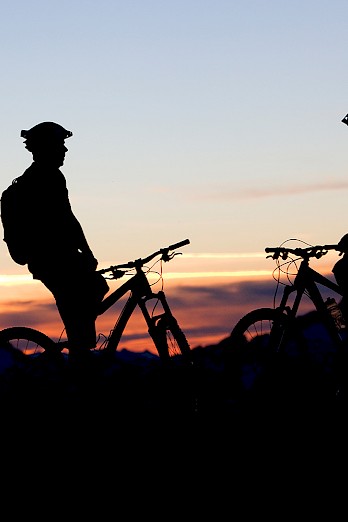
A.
pixel 179 245
pixel 331 247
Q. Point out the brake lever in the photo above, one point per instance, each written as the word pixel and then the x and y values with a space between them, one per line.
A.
pixel 273 256
pixel 116 274
pixel 167 257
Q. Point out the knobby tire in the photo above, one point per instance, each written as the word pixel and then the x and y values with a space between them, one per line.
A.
pixel 170 340
pixel 262 344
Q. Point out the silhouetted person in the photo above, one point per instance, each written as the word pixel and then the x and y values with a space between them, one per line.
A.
pixel 58 252
pixel 340 271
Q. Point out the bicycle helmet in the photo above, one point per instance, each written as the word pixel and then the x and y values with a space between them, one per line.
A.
pixel 43 133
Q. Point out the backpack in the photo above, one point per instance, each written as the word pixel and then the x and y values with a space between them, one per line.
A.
pixel 13 221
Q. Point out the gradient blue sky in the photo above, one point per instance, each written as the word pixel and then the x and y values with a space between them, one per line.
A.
pixel 217 121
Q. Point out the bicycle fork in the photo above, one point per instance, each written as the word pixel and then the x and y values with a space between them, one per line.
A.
pixel 284 321
pixel 159 323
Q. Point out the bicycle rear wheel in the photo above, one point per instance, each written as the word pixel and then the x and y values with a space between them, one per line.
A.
pixel 28 341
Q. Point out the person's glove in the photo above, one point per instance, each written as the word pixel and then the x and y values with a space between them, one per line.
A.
pixel 89 262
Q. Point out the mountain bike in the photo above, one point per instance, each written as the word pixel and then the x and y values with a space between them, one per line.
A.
pixel 267 339
pixel 167 336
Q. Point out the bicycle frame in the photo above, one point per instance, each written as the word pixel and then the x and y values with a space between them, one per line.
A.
pixel 140 293
pixel 306 282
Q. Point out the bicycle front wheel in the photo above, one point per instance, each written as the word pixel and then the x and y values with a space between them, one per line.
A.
pixel 180 378
pixel 169 339
pixel 27 341
pixel 258 342
pixel 264 326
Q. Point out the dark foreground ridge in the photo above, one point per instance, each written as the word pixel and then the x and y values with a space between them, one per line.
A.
pixel 134 386
pixel 131 409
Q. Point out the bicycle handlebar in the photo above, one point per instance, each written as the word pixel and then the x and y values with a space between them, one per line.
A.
pixel 312 251
pixel 138 263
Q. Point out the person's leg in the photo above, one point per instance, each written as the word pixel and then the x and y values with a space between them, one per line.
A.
pixel 75 300
pixel 77 313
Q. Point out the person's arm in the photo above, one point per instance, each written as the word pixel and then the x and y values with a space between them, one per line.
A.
pixel 75 229
pixel 82 243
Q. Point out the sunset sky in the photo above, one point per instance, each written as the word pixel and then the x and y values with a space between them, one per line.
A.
pixel 213 120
